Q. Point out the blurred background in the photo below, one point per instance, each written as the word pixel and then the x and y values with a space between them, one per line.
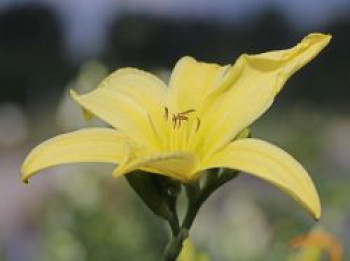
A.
pixel 80 212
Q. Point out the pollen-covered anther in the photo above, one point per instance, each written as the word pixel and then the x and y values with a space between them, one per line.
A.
pixel 174 120
pixel 177 118
pixel 181 118
pixel 186 112
pixel 166 113
pixel 198 124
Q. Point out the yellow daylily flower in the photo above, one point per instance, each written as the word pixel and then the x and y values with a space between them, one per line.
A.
pixel 190 126
pixel 189 253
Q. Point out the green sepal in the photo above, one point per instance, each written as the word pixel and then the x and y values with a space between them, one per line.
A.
pixel 152 191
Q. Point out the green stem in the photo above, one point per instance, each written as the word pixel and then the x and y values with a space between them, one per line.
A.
pixel 196 202
pixel 174 246
pixel 173 220
pixel 173 191
pixel 196 197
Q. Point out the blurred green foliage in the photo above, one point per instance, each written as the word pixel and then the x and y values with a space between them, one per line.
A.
pixel 103 230
pixel 34 61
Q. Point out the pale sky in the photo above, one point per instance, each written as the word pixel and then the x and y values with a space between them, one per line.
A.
pixel 86 21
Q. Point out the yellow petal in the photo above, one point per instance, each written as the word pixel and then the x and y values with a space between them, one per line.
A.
pixel 272 164
pixel 130 100
pixel 249 89
pixel 190 82
pixel 89 145
pixel 177 165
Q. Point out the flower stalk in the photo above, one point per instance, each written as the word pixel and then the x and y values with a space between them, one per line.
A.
pixel 196 196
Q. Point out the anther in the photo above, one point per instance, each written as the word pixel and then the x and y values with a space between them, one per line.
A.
pixel 198 123
pixel 187 112
pixel 178 118
pixel 174 120
pixel 181 118
pixel 166 113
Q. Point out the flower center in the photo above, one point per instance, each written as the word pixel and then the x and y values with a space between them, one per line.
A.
pixel 178 118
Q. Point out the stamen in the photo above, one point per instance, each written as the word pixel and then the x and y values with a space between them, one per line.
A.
pixel 182 117
pixel 198 124
pixel 174 120
pixel 178 118
pixel 186 112
pixel 166 113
